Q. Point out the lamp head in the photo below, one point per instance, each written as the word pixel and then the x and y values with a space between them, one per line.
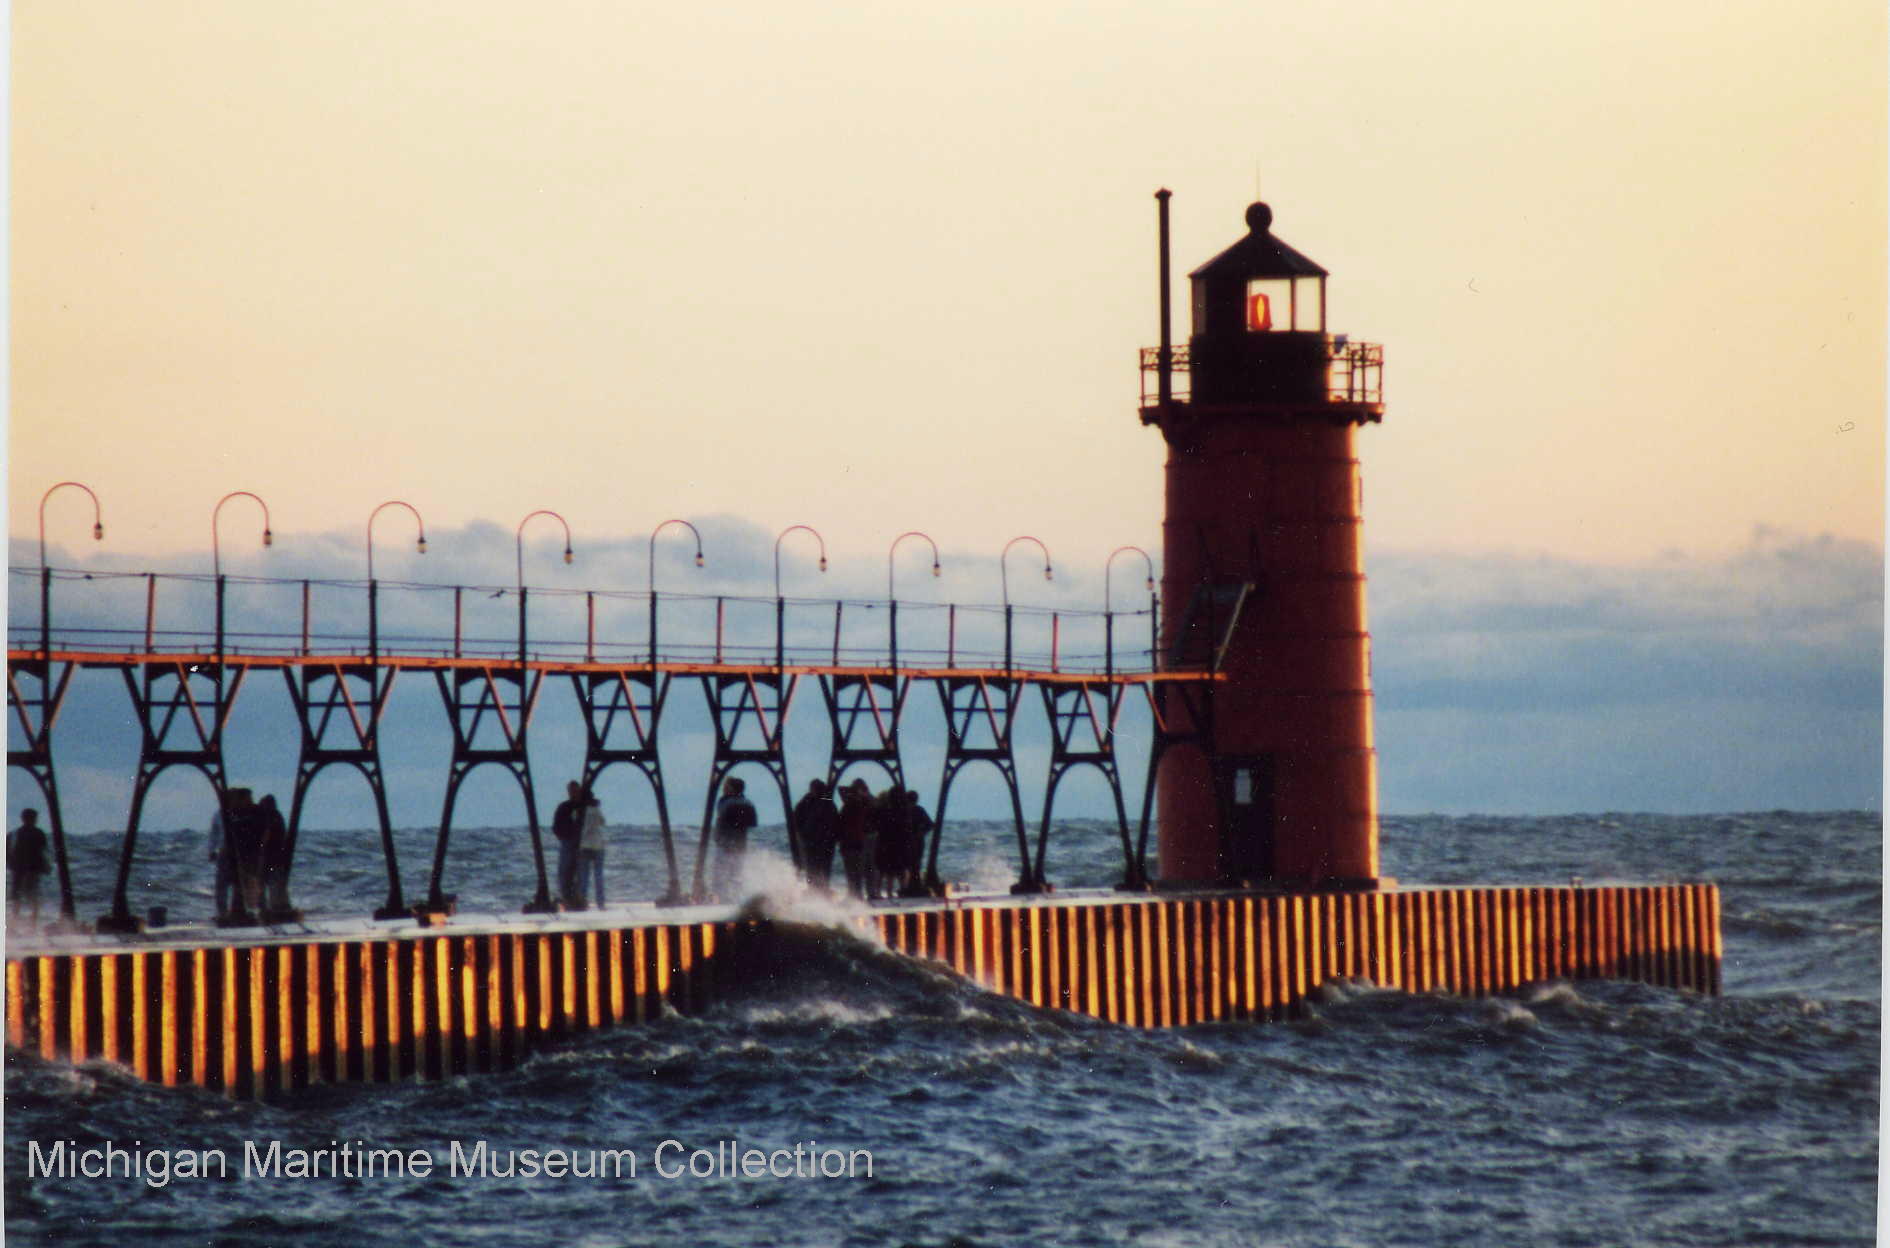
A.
pixel 935 570
pixel 698 558
pixel 1047 575
pixel 421 545
pixel 823 563
pixel 567 554
pixel 98 532
pixel 269 539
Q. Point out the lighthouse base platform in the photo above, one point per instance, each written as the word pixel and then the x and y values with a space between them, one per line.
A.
pixel 271 1010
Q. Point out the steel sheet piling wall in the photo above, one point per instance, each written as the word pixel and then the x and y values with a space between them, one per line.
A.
pixel 267 1016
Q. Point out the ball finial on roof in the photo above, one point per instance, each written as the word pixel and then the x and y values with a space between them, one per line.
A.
pixel 1259 217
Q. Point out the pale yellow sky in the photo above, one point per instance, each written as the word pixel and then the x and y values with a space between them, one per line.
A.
pixel 887 267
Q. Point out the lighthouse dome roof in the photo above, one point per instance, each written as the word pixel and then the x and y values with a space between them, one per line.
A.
pixel 1260 254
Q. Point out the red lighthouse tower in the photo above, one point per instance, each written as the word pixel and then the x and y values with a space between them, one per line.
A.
pixel 1264 576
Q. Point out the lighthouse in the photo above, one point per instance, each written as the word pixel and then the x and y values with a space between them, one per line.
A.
pixel 1263 575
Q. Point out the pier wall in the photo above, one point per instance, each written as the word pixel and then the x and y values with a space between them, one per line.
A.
pixel 265 1014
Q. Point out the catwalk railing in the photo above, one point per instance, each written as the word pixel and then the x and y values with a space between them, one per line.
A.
pixel 190 614
pixel 185 643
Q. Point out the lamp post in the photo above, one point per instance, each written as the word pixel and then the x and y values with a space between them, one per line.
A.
pixel 520 535
pixel 395 903
pixel 1109 619
pixel 892 603
pixel 98 524
pixel 777 552
pixel 542 903
pixel 780 603
pixel 420 546
pixel 1004 572
pixel 50 782
pixel 674 896
pixel 216 552
pixel 216 545
pixel 1004 577
pixel 654 533
pixel 1134 875
pixel 1109 567
pixel 520 538
pixel 45 573
pixel 374 632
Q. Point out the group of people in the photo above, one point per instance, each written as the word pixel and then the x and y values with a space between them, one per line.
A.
pixel 249 843
pixel 880 838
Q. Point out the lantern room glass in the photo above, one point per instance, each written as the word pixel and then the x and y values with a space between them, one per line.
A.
pixel 1309 304
pixel 1285 304
pixel 1269 304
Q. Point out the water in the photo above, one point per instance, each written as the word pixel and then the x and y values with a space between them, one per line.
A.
pixel 1582 1113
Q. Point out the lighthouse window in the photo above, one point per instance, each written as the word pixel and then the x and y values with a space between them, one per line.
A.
pixel 1269 304
pixel 1309 304
pixel 1243 786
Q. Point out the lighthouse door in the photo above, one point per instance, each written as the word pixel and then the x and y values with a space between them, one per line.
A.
pixel 1247 799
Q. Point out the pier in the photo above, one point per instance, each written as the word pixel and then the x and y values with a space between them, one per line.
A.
pixel 255 1014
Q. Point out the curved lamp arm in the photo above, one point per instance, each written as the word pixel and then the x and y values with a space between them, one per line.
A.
pixel 521 541
pixel 1004 572
pixel 893 549
pixel 653 535
pixel 98 522
pixel 1110 565
pixel 777 552
pixel 421 546
pixel 216 551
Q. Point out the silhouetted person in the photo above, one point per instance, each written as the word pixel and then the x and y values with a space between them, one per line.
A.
pixel 856 838
pixel 734 817
pixel 242 839
pixel 26 861
pixel 888 822
pixel 817 824
pixel 274 854
pixel 591 842
pixel 224 858
pixel 917 827
pixel 566 826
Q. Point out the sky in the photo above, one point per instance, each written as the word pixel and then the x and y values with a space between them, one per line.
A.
pixel 879 269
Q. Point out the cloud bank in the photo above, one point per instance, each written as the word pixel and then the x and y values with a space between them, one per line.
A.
pixel 1534 684
pixel 1505 683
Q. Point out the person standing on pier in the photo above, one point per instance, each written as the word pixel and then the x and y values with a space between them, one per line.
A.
pixel 856 838
pixel 916 827
pixel 734 817
pixel 888 821
pixel 817 824
pixel 565 826
pixel 26 861
pixel 243 837
pixel 274 854
pixel 234 844
pixel 220 855
pixel 591 842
